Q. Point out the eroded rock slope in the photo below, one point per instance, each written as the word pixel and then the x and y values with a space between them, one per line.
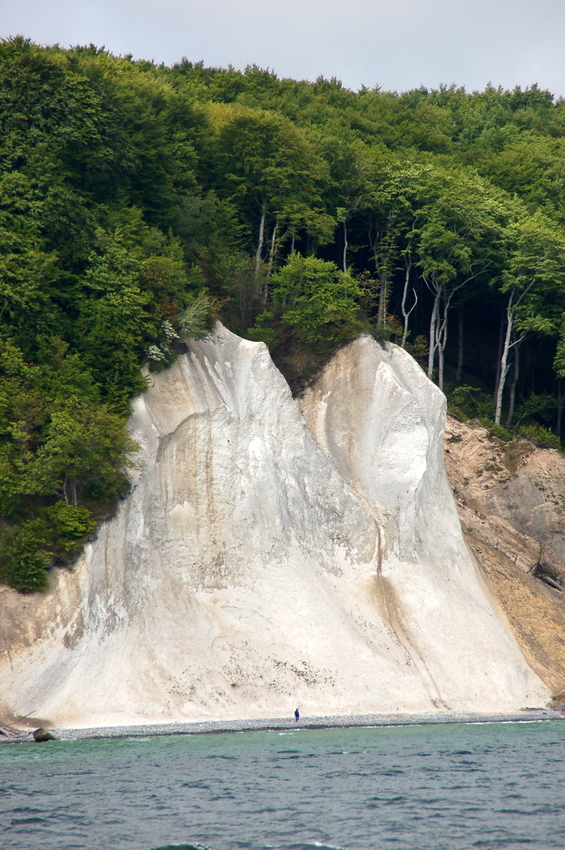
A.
pixel 259 564
pixel 511 502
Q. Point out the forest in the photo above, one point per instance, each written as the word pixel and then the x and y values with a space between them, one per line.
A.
pixel 139 202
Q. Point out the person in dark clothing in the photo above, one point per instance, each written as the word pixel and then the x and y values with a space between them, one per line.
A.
pixel 296 715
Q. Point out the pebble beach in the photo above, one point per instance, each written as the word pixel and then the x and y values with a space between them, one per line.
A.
pixel 14 735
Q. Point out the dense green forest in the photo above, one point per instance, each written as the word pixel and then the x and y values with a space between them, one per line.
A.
pixel 139 202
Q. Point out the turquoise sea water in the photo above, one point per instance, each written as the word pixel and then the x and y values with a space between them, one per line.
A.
pixel 419 787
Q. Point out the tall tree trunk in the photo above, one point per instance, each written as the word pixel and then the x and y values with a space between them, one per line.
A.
pixel 345 245
pixel 441 334
pixel 514 301
pixel 259 254
pixel 405 312
pixel 433 332
pixel 499 353
pixel 442 342
pixel 559 408
pixel 504 358
pixel 515 376
pixel 273 245
pixel 383 298
pixel 373 242
pixel 459 370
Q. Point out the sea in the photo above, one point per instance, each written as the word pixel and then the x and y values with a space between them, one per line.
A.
pixel 428 787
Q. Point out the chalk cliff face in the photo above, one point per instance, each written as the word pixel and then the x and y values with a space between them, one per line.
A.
pixel 268 557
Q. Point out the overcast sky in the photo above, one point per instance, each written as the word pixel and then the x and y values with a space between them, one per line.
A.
pixel 396 44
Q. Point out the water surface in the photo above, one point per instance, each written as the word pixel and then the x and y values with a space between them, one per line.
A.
pixel 420 787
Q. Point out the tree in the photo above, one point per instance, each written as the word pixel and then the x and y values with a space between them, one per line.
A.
pixel 534 273
pixel 350 181
pixel 395 196
pixel 319 300
pixel 24 556
pixel 28 270
pixel 86 452
pixel 134 281
pixel 272 172
pixel 458 237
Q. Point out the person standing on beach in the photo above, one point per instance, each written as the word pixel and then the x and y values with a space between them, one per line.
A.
pixel 296 715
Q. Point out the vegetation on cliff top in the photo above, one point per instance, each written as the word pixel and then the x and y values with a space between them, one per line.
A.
pixel 136 200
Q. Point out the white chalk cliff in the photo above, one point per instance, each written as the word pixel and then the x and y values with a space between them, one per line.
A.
pixel 270 556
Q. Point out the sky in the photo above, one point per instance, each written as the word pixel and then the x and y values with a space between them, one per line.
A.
pixel 395 44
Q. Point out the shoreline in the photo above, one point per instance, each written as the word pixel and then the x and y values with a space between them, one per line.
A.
pixel 208 727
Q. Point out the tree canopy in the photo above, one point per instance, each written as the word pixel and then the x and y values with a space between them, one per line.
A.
pixel 137 201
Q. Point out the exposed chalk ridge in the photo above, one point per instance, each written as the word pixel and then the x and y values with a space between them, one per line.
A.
pixel 270 557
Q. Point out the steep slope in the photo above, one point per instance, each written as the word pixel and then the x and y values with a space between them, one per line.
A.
pixel 377 416
pixel 511 502
pixel 251 569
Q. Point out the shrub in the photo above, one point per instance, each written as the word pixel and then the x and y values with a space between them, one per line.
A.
pixel 70 525
pixel 541 436
pixel 24 557
pixel 468 402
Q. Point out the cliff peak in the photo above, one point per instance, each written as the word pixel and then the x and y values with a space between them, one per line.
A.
pixel 271 554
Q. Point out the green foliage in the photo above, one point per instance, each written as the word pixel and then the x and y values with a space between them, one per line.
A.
pixel 23 557
pixel 318 300
pixel 535 406
pixel 163 353
pixel 138 203
pixel 85 452
pixel 419 349
pixel 70 525
pixel 497 430
pixel 29 548
pixel 194 322
pixel 467 402
pixel 268 166
pixel 264 329
pixel 90 277
pixel 541 436
pixel 559 359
